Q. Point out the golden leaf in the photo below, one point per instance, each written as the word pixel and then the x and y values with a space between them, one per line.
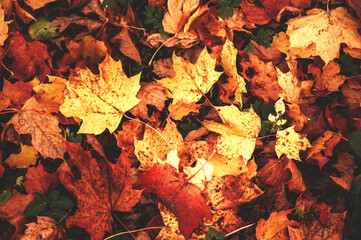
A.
pixel 100 100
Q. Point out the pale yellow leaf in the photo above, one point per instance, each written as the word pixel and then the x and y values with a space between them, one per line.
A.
pixel 100 100
pixel 290 143
pixel 327 30
pixel 200 174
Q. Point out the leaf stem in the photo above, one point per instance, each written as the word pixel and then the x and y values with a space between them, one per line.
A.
pixel 139 230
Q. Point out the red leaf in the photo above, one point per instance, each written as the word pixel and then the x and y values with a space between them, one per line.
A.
pixel 183 200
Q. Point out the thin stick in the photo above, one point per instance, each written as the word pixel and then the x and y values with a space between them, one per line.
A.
pixel 239 229
pixel 139 230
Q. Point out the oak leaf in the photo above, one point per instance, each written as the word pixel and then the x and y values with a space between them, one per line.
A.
pixel 103 188
pixel 100 100
pixel 290 143
pixel 238 132
pixel 326 30
pixel 191 80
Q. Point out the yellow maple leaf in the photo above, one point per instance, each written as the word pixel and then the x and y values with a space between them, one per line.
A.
pixel 326 30
pixel 191 81
pixel 238 131
pixel 25 158
pixel 290 143
pixel 156 145
pixel 100 100
pixel 236 83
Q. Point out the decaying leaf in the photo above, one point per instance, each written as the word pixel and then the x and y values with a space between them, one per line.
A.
pixel 43 228
pixel 44 130
pixel 290 143
pixel 325 30
pixel 3 26
pixel 100 100
pixel 103 188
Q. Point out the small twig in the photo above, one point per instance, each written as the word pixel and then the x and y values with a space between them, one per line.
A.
pixel 130 232
pixel 139 230
pixel 64 216
pixel 239 229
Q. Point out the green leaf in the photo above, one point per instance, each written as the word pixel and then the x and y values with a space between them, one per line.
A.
pixel 264 37
pixel 249 48
pixel 5 195
pixel 213 234
pixel 41 197
pixel 57 214
pixel 35 208
pixel 355 142
pixel 236 3
pixel 63 203
pixel 347 66
pixel 40 30
pixel 225 12
pixel 54 195
pixel 353 215
pixel 223 2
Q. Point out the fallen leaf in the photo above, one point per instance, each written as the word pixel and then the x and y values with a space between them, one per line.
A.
pixel 295 117
pixel 294 90
pixel 276 226
pixel 44 131
pixel 330 78
pixel 164 68
pixel 290 143
pixel 102 189
pixel 185 201
pixel 235 85
pixel 179 110
pixel 238 132
pixel 100 100
pixel 131 130
pixel 346 167
pixel 254 13
pixel 4 102
pixel 34 4
pixel 262 77
pixel 31 58
pixel 322 148
pixel 156 143
pixel 25 158
pixel 200 174
pixel 37 180
pixel 177 14
pixel 150 94
pixel 191 80
pixel 273 7
pixel 327 30
pixel 18 92
pixel 126 45
pixel 93 50
pixel 43 228
pixel 3 26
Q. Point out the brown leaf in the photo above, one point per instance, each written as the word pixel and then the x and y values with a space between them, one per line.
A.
pixel 272 7
pixel 35 4
pixel 127 45
pixel 125 137
pixel 150 94
pixel 18 93
pixel 44 228
pixel 346 167
pixel 262 77
pixel 295 117
pixel 102 189
pixel 330 78
pixel 255 14
pixel 44 131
